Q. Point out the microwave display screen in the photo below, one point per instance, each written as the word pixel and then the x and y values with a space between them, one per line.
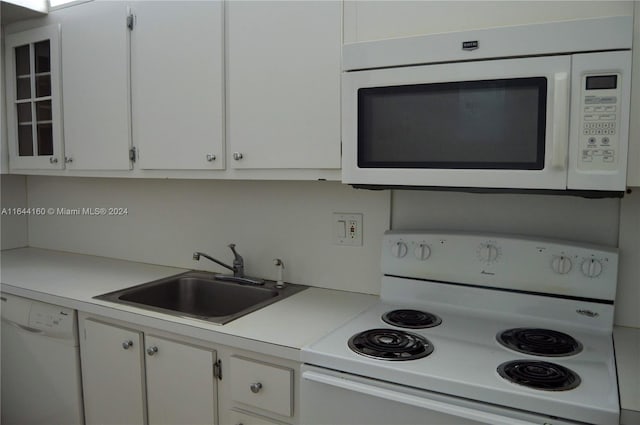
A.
pixel 602 82
pixel 489 124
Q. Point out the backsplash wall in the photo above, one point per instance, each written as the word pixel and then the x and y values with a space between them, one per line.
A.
pixel 169 219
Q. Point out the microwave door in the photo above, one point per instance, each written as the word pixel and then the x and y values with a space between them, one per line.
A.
pixel 493 124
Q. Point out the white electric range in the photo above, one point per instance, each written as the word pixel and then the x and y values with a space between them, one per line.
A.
pixel 473 329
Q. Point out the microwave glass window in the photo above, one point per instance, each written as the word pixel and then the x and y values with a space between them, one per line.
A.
pixel 494 124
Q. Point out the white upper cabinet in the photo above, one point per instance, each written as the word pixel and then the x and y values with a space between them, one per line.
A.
pixel 633 174
pixel 283 84
pixel 177 84
pixel 95 85
pixel 366 20
pixel 34 122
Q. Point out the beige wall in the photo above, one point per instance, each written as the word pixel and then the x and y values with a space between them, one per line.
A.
pixel 170 219
pixel 13 228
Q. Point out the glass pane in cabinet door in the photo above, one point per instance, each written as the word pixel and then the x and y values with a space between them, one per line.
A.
pixel 25 140
pixel 23 87
pixel 42 56
pixel 45 139
pixel 43 111
pixel 24 113
pixel 23 65
pixel 43 85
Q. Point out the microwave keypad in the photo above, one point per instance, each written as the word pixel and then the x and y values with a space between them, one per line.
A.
pixel 599 139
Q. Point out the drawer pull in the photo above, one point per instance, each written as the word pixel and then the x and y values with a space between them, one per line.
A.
pixel 256 387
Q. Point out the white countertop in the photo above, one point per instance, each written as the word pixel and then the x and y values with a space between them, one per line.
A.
pixel 627 343
pixel 72 280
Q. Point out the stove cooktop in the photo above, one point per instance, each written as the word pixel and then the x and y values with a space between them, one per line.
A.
pixel 516 322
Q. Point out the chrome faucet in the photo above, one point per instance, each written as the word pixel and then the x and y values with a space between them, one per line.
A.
pixel 237 268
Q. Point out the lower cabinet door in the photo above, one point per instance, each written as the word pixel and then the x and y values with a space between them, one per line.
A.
pixel 112 374
pixel 180 383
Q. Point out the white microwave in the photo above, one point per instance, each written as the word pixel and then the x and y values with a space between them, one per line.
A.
pixel 535 107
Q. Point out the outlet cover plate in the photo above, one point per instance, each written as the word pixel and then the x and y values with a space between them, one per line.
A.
pixel 347 229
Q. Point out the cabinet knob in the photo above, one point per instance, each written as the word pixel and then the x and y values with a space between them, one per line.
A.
pixel 256 387
pixel 152 350
pixel 211 157
pixel 127 344
pixel 237 156
pixel 53 160
pixel 68 159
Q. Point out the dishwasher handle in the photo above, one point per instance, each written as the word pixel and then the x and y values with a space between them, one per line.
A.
pixel 411 400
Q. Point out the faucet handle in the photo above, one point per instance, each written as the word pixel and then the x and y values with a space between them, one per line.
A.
pixel 232 246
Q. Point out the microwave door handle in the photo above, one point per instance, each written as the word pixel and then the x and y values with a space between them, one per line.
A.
pixel 560 120
pixel 412 400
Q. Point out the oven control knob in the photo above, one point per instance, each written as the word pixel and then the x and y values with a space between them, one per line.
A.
pixel 488 252
pixel 561 264
pixel 422 251
pixel 591 267
pixel 399 249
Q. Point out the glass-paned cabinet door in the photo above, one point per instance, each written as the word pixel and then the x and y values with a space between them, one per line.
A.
pixel 34 122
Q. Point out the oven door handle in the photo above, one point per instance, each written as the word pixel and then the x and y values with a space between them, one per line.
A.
pixel 411 400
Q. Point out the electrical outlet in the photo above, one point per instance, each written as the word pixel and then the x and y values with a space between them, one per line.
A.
pixel 347 229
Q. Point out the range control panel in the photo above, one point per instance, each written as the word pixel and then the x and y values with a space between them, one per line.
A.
pixel 502 261
pixel 601 103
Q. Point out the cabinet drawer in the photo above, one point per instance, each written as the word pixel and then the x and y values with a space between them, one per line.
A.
pixel 241 418
pixel 262 385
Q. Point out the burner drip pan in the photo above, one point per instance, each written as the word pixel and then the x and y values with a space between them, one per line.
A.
pixel 539 342
pixel 412 319
pixel 390 344
pixel 539 375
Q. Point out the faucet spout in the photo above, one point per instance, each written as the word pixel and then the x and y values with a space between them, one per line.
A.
pixel 197 255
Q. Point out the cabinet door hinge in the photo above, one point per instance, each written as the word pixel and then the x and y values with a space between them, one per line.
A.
pixel 217 370
pixel 130 21
pixel 133 154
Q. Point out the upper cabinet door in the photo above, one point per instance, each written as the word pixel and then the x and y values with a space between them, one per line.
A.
pixel 177 84
pixel 32 60
pixel 95 83
pixel 283 81
pixel 633 170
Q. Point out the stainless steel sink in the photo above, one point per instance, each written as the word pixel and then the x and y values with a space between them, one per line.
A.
pixel 200 295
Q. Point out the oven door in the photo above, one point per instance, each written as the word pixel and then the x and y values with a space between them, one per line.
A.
pixel 332 397
pixel 492 124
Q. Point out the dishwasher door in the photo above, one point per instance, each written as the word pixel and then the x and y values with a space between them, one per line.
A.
pixel 40 363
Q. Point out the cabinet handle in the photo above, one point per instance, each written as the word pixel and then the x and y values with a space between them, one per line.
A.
pixel 127 344
pixel 53 160
pixel 68 159
pixel 152 350
pixel 237 156
pixel 211 157
pixel 256 387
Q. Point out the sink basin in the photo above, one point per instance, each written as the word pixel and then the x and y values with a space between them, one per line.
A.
pixel 200 295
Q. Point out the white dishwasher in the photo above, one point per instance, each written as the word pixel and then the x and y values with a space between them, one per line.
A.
pixel 40 363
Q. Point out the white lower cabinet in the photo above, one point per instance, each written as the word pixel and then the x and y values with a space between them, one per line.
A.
pixel 258 389
pixel 180 383
pixel 112 374
pixel 131 377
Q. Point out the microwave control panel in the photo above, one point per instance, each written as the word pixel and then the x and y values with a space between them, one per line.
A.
pixel 600 122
